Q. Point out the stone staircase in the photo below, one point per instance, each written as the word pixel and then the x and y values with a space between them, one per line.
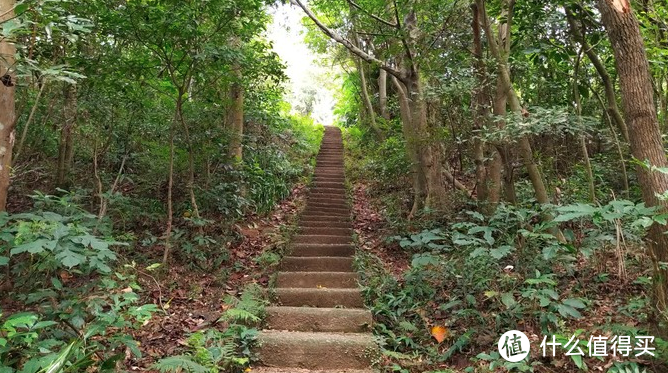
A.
pixel 319 323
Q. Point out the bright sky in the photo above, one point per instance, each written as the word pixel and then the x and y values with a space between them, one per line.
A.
pixel 303 67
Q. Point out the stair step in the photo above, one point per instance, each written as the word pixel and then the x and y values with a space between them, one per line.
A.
pixel 333 280
pixel 309 319
pixel 324 223
pixel 316 350
pixel 314 216
pixel 317 263
pixel 329 212
pixel 339 205
pixel 320 297
pixel 327 200
pixel 321 239
pixel 299 370
pixel 309 250
pixel 331 231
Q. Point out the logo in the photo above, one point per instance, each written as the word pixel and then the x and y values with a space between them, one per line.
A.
pixel 514 346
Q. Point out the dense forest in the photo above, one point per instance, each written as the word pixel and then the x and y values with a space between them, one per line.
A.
pixel 505 164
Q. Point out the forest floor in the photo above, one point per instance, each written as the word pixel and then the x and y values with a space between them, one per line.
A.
pixel 615 302
pixel 193 300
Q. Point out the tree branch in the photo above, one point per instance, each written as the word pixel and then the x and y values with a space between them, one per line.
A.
pixel 393 25
pixel 349 45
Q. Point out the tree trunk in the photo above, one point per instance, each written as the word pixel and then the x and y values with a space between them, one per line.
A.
pixel 583 141
pixel 480 110
pixel 191 156
pixel 610 96
pixel 419 181
pixel 644 133
pixel 382 94
pixel 167 236
pixel 66 144
pixel 370 114
pixel 235 121
pixel 24 133
pixel 366 100
pixel 7 109
pixel 429 154
pixel 524 146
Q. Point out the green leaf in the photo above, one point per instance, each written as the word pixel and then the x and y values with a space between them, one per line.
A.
pixel 508 299
pixel 153 266
pixel 577 359
pixel 35 247
pixel 575 303
pixel 501 251
pixel 549 252
pixel 4 260
pixel 568 311
pixel 56 283
pixel 479 252
pixel 571 212
pixel 70 259
pixel 179 362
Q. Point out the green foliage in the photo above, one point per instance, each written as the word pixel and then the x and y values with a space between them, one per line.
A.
pixel 222 351
pixel 484 274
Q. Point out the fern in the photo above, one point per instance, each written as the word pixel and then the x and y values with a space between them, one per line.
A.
pixel 459 344
pixel 238 315
pixel 179 363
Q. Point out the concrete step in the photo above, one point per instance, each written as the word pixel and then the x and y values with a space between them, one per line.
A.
pixel 308 250
pixel 319 200
pixel 317 263
pixel 300 370
pixel 309 319
pixel 324 223
pixel 320 297
pixel 331 204
pixel 321 239
pixel 316 216
pixel 316 350
pixel 329 179
pixel 331 231
pixel 327 192
pixel 327 212
pixel 335 280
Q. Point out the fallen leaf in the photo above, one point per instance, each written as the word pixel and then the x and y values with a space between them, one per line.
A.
pixel 439 333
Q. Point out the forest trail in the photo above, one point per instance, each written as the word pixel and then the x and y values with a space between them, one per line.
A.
pixel 320 322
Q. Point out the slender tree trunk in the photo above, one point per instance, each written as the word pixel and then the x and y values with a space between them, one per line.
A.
pixel 608 85
pixel 191 156
pixel 524 146
pixel 480 110
pixel 382 94
pixel 366 100
pixel 412 148
pixel 235 120
pixel 620 152
pixel 24 133
pixel 66 145
pixel 644 133
pixel 7 108
pixel 370 114
pixel 583 141
pixel 170 186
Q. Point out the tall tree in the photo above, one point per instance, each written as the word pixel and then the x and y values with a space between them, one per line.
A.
pixel 644 134
pixel 7 109
pixel 406 70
